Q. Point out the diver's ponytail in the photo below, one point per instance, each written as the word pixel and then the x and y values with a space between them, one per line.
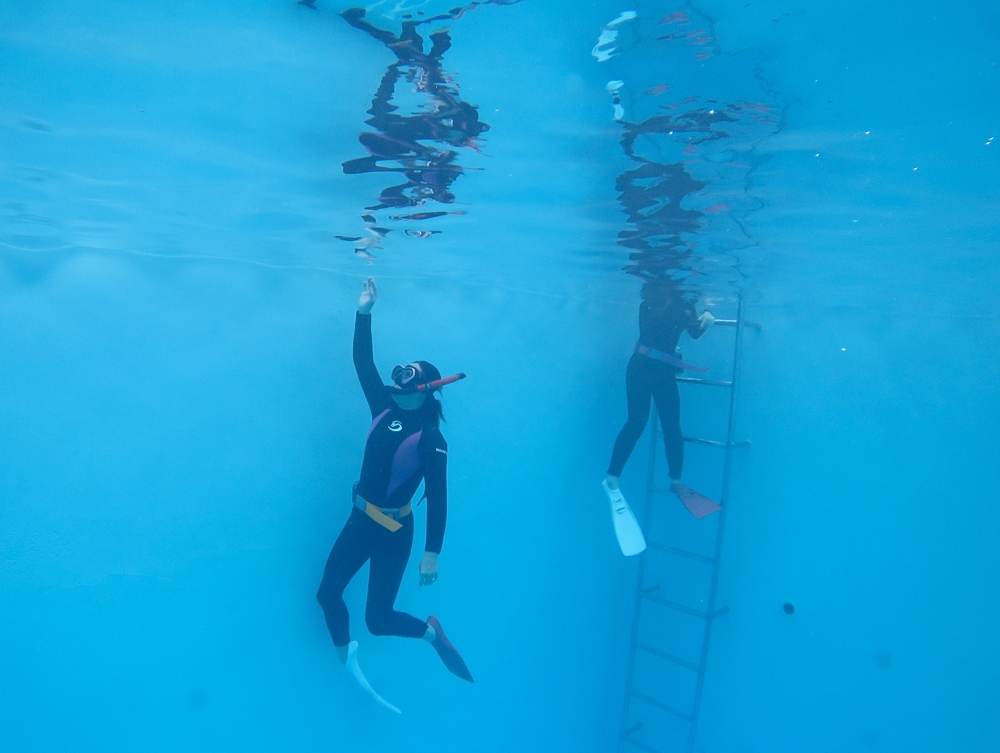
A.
pixel 433 413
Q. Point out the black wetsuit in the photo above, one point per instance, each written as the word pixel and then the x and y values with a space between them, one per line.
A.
pixel 403 447
pixel 660 326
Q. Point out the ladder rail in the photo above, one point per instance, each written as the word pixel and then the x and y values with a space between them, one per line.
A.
pixel 719 532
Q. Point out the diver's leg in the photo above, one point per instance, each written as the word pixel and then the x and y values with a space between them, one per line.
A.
pixel 389 560
pixel 389 557
pixel 638 391
pixel 382 108
pixel 440 43
pixel 411 36
pixel 668 406
pixel 356 18
pixel 349 553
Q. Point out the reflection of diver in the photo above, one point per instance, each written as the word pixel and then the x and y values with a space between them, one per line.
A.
pixel 404 445
pixel 448 120
pixel 652 195
pixel 651 376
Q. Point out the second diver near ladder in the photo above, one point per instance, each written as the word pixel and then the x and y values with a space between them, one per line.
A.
pixel 404 446
pixel 652 373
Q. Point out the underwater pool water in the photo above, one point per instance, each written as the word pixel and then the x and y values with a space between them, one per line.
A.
pixel 192 195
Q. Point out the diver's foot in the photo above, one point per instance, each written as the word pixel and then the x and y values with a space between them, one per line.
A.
pixel 697 504
pixel 612 482
pixel 448 653
pixel 343 652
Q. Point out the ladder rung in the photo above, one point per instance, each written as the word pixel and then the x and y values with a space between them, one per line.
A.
pixel 673 605
pixel 732 323
pixel 638 744
pixel 706 382
pixel 660 705
pixel 714 443
pixel 668 657
pixel 709 442
pixel 681 552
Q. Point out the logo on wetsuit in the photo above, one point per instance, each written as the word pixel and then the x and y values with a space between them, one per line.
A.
pixel 395 426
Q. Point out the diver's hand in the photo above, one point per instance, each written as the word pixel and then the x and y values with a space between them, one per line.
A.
pixel 429 569
pixel 706 319
pixel 369 294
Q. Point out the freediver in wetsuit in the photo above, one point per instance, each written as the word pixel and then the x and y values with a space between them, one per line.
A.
pixel 404 446
pixel 652 375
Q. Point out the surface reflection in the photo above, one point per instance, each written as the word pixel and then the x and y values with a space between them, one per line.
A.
pixel 421 122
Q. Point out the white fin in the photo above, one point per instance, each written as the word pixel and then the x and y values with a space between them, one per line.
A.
pixel 604 50
pixel 355 670
pixel 625 15
pixel 627 529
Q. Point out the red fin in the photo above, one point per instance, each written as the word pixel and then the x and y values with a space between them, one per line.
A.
pixel 697 504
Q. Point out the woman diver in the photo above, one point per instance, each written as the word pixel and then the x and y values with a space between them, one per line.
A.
pixel 404 446
pixel 652 372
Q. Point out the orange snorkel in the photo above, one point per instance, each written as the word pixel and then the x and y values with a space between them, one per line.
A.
pixel 431 386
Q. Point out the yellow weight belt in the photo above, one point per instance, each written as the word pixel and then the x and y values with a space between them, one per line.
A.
pixel 378 514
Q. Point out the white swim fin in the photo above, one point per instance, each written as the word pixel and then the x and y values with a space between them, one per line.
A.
pixel 625 15
pixel 627 529
pixel 355 670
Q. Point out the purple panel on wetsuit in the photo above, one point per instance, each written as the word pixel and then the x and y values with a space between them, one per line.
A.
pixel 375 421
pixel 405 462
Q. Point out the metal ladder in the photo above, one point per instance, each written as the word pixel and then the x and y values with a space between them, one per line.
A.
pixel 649 722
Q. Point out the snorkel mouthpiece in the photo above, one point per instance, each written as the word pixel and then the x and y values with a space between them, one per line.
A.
pixel 431 386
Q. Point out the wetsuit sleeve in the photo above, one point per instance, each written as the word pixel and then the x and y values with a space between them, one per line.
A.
pixel 364 364
pixel 694 327
pixel 436 488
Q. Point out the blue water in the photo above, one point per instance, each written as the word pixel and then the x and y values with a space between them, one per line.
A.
pixel 182 424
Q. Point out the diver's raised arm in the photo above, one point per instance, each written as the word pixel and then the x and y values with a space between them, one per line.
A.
pixel 364 360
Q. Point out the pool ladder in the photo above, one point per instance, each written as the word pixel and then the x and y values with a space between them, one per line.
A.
pixel 641 708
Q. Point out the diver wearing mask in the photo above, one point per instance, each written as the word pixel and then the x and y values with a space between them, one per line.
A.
pixel 404 446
